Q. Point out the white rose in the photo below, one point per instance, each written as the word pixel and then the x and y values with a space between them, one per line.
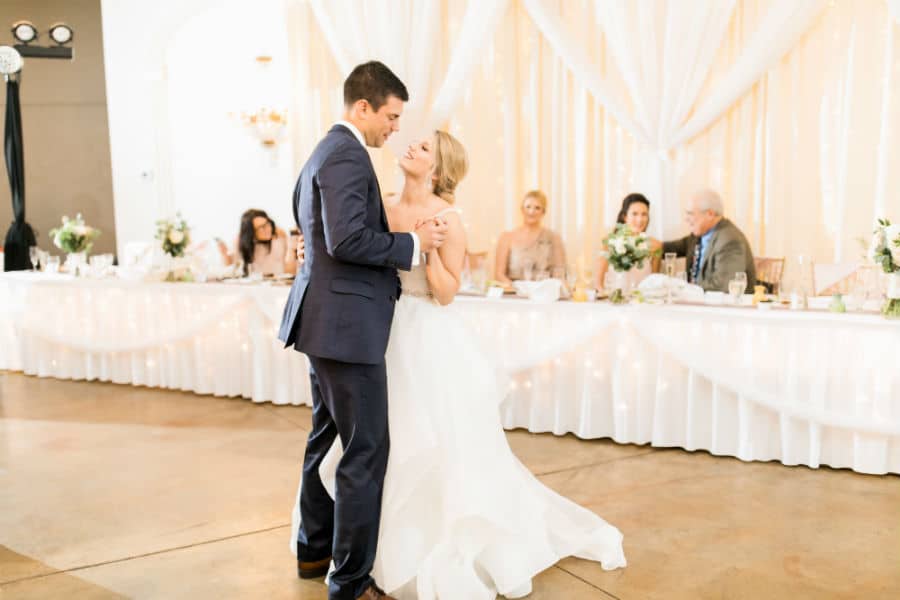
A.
pixel 619 245
pixel 892 234
pixel 176 237
pixel 81 230
pixel 57 240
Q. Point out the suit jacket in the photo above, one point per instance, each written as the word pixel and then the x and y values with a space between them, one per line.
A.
pixel 342 302
pixel 728 252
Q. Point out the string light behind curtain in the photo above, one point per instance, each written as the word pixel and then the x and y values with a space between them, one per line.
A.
pixel 772 129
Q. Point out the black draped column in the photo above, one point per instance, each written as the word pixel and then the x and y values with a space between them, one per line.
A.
pixel 20 235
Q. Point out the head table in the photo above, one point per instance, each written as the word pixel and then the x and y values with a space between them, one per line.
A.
pixel 803 388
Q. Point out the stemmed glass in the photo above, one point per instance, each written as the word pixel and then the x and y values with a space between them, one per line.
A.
pixel 669 266
pixel 736 289
pixel 34 254
pixel 528 270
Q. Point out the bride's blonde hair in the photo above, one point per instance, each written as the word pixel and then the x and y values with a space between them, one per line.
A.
pixel 450 165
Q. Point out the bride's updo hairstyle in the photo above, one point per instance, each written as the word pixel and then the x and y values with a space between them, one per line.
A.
pixel 450 165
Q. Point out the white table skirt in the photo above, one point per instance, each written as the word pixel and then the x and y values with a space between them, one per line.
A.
pixel 802 388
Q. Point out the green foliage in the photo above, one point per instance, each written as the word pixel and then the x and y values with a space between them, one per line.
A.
pixel 625 249
pixel 74 235
pixel 174 234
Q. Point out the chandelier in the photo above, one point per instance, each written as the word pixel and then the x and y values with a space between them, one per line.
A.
pixel 267 123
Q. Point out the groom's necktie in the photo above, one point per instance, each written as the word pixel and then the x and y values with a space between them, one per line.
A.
pixel 695 263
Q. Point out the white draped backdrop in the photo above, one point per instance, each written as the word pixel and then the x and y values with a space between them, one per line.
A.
pixel 787 108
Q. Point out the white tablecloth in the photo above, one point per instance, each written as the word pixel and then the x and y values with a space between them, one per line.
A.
pixel 801 388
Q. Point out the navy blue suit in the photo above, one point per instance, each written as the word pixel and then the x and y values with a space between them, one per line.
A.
pixel 339 314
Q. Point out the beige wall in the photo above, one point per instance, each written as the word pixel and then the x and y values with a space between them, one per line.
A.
pixel 66 134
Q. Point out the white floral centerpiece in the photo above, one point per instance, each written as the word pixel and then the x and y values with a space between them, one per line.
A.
pixel 625 250
pixel 74 236
pixel 174 234
pixel 175 237
pixel 76 239
pixel 885 252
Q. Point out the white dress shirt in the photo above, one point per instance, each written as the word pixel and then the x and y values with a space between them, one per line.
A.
pixel 359 137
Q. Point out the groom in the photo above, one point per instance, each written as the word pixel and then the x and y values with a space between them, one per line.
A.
pixel 339 314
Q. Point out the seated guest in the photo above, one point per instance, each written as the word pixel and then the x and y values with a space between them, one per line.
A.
pixel 262 247
pixel 635 213
pixel 716 248
pixel 530 251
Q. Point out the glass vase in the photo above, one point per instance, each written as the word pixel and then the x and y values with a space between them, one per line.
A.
pixel 891 308
pixel 76 263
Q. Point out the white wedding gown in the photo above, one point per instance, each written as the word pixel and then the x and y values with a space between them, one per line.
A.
pixel 462 518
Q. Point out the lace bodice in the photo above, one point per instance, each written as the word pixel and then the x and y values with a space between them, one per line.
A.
pixel 415 281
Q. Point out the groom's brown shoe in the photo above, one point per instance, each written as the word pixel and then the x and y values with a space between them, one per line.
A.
pixel 373 592
pixel 314 569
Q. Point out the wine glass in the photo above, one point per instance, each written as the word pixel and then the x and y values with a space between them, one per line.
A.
pixel 571 278
pixel 669 262
pixel 669 267
pixel 34 254
pixel 528 270
pixel 736 289
pixel 742 277
pixel 609 282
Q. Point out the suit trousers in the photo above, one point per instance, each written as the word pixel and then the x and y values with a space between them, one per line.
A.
pixel 350 401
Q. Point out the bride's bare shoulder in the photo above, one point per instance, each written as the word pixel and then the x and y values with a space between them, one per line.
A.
pixel 438 205
pixel 391 202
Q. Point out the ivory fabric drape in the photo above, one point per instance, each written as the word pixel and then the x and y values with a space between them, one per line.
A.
pixel 664 51
pixel 803 388
pixel 407 35
pixel 796 139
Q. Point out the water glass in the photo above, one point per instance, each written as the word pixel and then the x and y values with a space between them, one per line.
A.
pixel 256 273
pixel 741 276
pixel 53 264
pixel 736 289
pixel 34 254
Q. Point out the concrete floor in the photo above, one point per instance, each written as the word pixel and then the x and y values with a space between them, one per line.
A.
pixel 112 491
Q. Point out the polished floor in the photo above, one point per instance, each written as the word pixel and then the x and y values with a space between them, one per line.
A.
pixel 119 492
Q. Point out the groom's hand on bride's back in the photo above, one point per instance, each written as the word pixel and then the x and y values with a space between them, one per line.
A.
pixel 432 233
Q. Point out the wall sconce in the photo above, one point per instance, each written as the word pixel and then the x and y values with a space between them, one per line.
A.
pixel 267 123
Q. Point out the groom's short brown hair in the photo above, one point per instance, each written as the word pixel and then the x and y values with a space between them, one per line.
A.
pixel 373 82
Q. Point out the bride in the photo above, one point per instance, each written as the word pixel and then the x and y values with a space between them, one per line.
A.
pixel 462 518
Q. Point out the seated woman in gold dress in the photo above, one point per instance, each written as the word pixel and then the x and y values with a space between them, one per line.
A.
pixel 531 251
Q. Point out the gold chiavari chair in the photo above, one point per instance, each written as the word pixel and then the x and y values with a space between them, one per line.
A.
pixel 769 272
